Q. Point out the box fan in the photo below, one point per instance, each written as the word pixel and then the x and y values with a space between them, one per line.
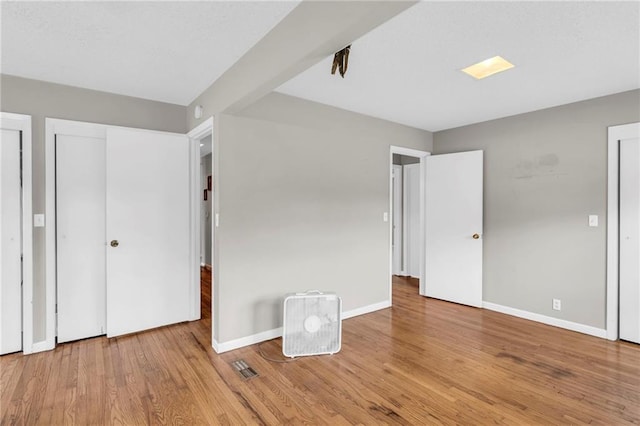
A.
pixel 312 324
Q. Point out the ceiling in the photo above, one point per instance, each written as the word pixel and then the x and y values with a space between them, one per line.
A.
pixel 163 51
pixel 408 69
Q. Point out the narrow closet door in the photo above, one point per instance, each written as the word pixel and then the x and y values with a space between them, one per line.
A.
pixel 630 240
pixel 397 243
pixel 11 243
pixel 148 223
pixel 80 236
pixel 411 194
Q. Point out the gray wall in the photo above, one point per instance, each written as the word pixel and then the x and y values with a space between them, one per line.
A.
pixel 41 99
pixel 544 173
pixel 302 189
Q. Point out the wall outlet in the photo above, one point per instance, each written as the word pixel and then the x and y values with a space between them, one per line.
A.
pixel 593 220
pixel 557 305
pixel 38 220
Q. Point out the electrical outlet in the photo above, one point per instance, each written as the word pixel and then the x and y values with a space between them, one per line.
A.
pixel 38 220
pixel 557 305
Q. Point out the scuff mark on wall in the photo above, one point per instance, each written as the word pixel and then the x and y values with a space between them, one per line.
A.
pixel 546 165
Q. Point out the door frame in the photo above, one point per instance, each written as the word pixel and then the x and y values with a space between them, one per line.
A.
pixel 55 126
pixel 22 123
pixel 615 134
pixel 422 155
pixel 397 205
pixel 201 131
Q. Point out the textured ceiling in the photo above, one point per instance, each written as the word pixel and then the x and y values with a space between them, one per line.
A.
pixel 164 51
pixel 407 70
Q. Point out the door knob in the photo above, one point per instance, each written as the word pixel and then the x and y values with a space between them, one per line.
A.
pixel 475 236
pixel 114 243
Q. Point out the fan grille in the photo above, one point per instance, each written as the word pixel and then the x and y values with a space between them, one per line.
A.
pixel 312 325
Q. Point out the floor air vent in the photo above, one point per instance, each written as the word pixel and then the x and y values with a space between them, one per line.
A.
pixel 244 370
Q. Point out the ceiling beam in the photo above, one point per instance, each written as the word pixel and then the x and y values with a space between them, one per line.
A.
pixel 310 33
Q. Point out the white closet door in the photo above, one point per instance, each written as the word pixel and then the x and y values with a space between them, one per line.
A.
pixel 411 194
pixel 453 224
pixel 80 237
pixel 630 240
pixel 148 223
pixel 397 243
pixel 11 243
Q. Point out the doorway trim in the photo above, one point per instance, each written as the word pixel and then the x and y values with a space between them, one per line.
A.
pixel 422 155
pixel 22 123
pixel 615 135
pixel 201 131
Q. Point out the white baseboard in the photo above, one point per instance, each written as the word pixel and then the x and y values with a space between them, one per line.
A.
pixel 277 332
pixel 247 341
pixel 568 325
pixel 365 309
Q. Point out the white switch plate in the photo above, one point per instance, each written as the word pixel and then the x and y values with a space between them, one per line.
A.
pixel 593 220
pixel 217 220
pixel 38 220
pixel 557 305
pixel 385 217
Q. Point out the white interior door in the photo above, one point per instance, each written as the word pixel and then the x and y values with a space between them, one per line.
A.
pixel 80 237
pixel 396 234
pixel 11 243
pixel 453 223
pixel 148 224
pixel 411 199
pixel 630 240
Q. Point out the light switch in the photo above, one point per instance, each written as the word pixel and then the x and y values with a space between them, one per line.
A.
pixel 593 220
pixel 385 217
pixel 217 220
pixel 38 220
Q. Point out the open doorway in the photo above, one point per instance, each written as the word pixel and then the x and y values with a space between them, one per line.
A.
pixel 206 201
pixel 406 204
pixel 204 208
pixel 405 239
pixel 449 230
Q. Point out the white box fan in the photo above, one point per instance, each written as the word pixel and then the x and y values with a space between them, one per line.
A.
pixel 312 324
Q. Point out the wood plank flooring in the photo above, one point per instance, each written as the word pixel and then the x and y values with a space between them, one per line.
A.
pixel 421 362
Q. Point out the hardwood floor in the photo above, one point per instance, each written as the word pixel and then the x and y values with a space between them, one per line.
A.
pixel 421 362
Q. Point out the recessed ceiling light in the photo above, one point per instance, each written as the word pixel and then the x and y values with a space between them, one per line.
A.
pixel 201 144
pixel 488 67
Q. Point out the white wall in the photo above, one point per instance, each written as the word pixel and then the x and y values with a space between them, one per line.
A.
pixel 544 173
pixel 302 190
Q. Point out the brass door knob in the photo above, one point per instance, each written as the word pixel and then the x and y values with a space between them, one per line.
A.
pixel 476 236
pixel 114 243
